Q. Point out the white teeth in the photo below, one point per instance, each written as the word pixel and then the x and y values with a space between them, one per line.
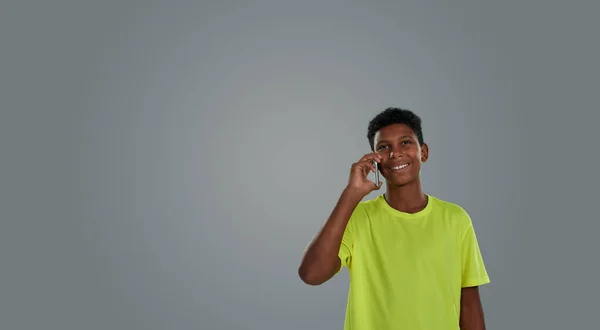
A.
pixel 399 167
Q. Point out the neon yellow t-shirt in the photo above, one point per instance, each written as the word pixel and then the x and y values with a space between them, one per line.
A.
pixel 407 269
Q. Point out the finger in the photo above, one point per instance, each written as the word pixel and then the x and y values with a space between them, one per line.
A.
pixel 365 169
pixel 366 166
pixel 376 186
pixel 372 157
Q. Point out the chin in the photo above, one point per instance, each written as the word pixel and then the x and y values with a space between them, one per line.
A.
pixel 403 181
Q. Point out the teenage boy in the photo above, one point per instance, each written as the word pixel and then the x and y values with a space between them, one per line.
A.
pixel 413 259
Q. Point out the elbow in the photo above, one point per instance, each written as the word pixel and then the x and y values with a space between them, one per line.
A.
pixel 310 277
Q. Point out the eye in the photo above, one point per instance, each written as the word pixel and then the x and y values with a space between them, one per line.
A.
pixel 407 142
pixel 382 147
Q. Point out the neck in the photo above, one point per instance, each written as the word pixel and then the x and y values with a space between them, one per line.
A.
pixel 408 198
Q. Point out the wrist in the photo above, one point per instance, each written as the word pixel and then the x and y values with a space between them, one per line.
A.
pixel 353 194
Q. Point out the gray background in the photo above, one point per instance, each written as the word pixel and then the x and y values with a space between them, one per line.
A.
pixel 164 164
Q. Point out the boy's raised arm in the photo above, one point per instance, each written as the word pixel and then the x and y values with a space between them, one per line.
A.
pixel 320 260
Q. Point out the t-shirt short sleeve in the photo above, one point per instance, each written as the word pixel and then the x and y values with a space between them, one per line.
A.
pixel 347 246
pixel 473 268
pixel 345 252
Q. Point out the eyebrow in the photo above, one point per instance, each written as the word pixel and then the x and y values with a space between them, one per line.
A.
pixel 402 137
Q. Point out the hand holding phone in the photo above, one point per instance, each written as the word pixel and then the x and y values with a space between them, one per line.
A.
pixel 359 174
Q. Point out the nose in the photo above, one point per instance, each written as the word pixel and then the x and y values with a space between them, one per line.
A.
pixel 394 154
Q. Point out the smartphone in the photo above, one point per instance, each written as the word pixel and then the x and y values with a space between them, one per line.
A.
pixel 376 173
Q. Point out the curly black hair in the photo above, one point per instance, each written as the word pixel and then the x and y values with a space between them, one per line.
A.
pixel 391 116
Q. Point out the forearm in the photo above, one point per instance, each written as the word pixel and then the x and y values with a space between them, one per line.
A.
pixel 471 313
pixel 320 261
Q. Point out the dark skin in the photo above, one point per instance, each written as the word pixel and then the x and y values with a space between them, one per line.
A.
pixel 398 145
pixel 471 310
pixel 395 145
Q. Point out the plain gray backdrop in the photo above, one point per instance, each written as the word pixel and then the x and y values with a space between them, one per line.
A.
pixel 165 163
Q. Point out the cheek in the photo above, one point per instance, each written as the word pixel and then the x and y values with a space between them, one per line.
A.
pixel 414 153
pixel 385 155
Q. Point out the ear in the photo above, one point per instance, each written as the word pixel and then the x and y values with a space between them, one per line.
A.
pixel 424 153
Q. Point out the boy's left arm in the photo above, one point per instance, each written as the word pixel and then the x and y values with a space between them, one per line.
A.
pixel 471 310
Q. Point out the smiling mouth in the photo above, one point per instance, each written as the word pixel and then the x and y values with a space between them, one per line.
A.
pixel 399 167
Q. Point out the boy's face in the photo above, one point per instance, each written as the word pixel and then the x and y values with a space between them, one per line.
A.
pixel 401 153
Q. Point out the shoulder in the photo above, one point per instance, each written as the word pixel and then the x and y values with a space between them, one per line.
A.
pixel 370 203
pixel 450 207
pixel 453 210
pixel 366 205
pixel 363 211
pixel 371 207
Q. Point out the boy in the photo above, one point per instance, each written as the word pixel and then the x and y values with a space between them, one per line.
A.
pixel 413 259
